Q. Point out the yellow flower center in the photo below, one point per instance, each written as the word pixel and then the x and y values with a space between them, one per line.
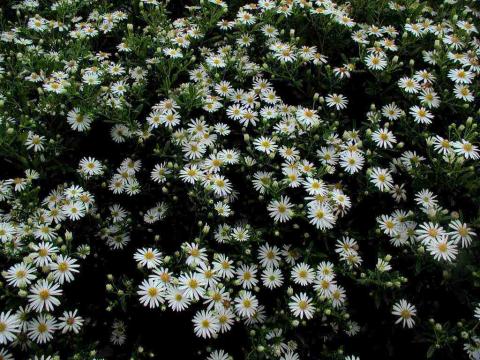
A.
pixel 152 292
pixel 63 267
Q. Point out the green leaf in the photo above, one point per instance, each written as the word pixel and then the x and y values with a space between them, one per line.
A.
pixel 430 351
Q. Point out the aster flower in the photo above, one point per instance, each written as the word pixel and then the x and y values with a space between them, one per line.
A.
pixel 338 101
pixel 246 304
pixel 44 296
pixel 281 210
pixel 9 327
pixel 301 306
pixel 405 312
pixel 443 249
pixel 151 293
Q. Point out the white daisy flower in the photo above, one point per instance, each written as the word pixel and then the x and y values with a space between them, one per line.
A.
pixel 70 322
pixel 246 304
pixel 205 324
pixel 9 327
pixel 443 249
pixel 42 328
pixel 405 312
pixel 44 296
pixel 151 293
pixel 301 306
pixel 281 210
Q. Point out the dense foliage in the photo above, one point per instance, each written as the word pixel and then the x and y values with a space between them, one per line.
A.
pixel 275 179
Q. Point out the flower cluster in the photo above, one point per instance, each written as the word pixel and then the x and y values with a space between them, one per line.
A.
pixel 298 177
